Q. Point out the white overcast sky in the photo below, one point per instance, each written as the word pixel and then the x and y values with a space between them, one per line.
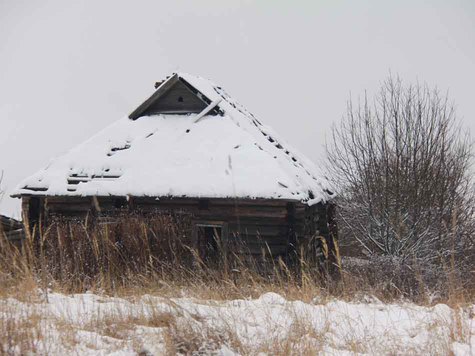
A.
pixel 69 68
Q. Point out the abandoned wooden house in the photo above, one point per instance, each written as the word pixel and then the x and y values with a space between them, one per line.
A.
pixel 191 147
pixel 11 229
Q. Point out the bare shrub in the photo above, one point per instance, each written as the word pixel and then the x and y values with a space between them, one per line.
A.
pixel 402 166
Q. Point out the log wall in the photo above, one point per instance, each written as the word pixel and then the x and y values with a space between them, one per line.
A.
pixel 254 226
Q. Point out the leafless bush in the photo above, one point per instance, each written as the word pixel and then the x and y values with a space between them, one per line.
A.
pixel 402 166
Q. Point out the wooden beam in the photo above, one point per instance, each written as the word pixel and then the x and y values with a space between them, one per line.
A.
pixel 162 89
pixel 207 109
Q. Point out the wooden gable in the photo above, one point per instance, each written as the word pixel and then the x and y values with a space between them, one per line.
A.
pixel 174 96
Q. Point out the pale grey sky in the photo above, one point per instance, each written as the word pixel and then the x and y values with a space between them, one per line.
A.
pixel 68 69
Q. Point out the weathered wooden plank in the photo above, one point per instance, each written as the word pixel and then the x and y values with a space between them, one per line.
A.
pixel 258 250
pixel 258 221
pixel 242 214
pixel 8 224
pixel 60 204
pixel 213 201
pixel 178 99
pixel 53 208
pixel 15 235
pixel 258 243
pixel 80 214
pixel 261 230
pixel 159 92
pixel 225 212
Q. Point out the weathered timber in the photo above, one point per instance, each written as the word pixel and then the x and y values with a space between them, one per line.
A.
pixel 174 96
pixel 178 99
pixel 252 226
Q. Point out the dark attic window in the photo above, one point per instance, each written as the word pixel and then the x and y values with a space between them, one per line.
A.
pixel 180 99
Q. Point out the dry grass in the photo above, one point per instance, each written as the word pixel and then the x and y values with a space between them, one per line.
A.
pixel 139 327
pixel 20 336
pixel 153 256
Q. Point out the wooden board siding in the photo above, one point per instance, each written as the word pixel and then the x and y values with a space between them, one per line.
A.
pixel 254 226
pixel 175 96
pixel 177 100
pixel 12 230
pixel 8 224
pixel 159 92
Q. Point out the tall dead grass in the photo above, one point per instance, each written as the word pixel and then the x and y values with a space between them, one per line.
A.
pixel 155 254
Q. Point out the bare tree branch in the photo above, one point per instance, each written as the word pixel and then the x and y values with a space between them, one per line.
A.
pixel 402 166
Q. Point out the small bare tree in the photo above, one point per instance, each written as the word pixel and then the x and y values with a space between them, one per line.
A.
pixel 402 168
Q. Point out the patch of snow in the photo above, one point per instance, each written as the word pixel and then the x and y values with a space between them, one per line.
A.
pixel 334 328
pixel 272 298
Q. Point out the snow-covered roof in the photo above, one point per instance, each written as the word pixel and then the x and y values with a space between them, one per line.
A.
pixel 184 155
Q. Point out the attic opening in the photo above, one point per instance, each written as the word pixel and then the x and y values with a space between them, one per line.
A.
pixel 175 96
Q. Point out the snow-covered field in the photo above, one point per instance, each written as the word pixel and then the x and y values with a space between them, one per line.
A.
pixel 150 325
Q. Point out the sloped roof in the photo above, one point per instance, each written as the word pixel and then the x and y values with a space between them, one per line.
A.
pixel 7 223
pixel 219 156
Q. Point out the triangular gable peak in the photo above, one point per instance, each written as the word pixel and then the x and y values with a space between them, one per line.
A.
pixel 175 96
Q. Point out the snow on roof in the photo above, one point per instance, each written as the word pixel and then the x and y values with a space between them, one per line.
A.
pixel 218 156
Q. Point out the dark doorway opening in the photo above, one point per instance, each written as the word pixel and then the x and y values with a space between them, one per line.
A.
pixel 209 240
pixel 34 209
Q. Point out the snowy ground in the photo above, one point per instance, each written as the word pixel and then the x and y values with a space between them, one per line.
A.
pixel 150 325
